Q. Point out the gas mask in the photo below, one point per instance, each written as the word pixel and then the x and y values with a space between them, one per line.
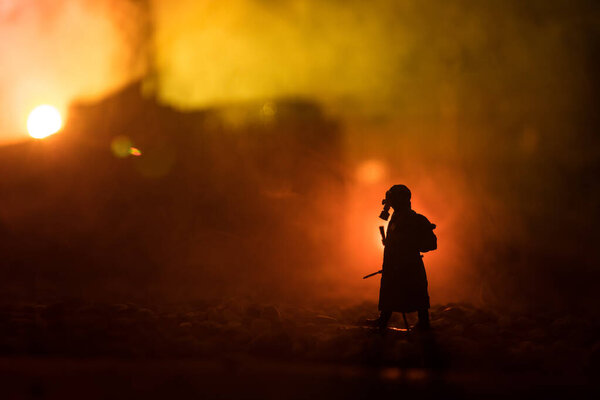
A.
pixel 399 197
pixel 385 213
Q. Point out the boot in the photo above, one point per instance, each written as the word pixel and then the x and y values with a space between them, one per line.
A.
pixel 423 324
pixel 381 322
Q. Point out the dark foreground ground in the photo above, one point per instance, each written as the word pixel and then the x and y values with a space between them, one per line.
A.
pixel 241 349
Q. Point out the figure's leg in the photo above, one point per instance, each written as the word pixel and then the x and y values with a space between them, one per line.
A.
pixel 405 321
pixel 384 318
pixel 423 318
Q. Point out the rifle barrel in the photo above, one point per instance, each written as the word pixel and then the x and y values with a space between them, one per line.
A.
pixel 373 274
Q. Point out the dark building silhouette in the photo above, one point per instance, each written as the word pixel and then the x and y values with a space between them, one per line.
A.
pixel 217 203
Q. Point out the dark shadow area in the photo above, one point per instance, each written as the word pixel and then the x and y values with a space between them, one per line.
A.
pixel 245 349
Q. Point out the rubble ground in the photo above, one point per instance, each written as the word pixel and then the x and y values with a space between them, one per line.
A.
pixel 464 339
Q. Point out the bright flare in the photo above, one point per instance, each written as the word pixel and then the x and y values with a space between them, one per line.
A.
pixel 43 121
pixel 371 171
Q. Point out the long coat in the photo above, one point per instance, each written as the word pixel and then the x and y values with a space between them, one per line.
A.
pixel 403 281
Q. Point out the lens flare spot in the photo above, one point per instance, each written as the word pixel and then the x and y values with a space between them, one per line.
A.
pixel 371 171
pixel 43 121
pixel 120 146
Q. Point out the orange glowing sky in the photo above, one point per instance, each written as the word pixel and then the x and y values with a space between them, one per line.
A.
pixel 466 103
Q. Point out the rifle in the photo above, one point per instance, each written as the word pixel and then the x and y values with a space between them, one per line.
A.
pixel 373 274
pixel 382 232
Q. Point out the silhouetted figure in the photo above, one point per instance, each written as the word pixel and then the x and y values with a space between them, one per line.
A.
pixel 403 281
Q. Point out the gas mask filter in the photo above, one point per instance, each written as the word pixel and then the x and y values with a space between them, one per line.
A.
pixel 385 213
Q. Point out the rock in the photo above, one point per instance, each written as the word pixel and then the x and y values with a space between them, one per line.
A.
pixel 271 313
pixel 594 358
pixel 324 319
pixel 252 311
pixel 260 325
pixel 119 307
pixel 230 316
pixel 454 313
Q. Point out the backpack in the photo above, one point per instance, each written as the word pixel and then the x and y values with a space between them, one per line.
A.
pixel 427 239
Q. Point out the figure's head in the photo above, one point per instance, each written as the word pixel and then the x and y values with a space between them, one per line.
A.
pixel 398 197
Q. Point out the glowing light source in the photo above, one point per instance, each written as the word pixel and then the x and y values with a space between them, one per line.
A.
pixel 43 121
pixel 371 171
pixel 134 151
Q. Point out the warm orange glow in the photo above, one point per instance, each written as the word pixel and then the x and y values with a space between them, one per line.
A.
pixel 43 121
pixel 444 205
pixel 43 62
pixel 371 171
